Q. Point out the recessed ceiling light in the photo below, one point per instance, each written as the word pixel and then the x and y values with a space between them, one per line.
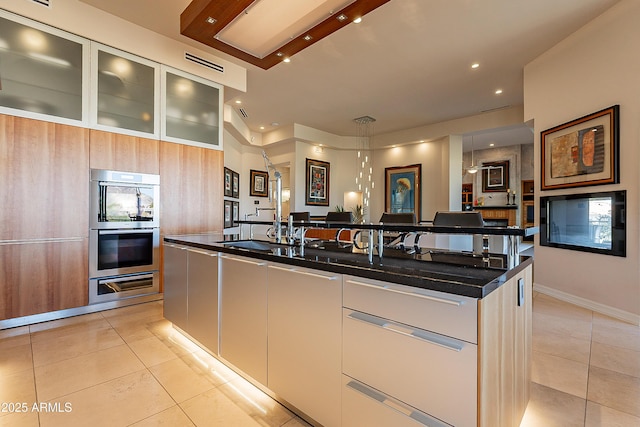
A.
pixel 211 20
pixel 475 65
pixel 261 127
pixel 498 92
pixel 238 101
pixel 279 54
pixel 341 17
pixel 286 60
pixel 275 124
pixel 308 37
pixel 492 145
pixel 357 20
pixel 422 140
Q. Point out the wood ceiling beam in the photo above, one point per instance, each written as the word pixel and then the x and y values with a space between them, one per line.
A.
pixel 193 24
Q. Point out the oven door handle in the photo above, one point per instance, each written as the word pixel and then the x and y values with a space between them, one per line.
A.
pixel 127 231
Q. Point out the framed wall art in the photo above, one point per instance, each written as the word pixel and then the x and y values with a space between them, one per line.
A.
pixel 235 213
pixel 259 182
pixel 495 176
pixel 235 185
pixel 228 214
pixel 582 152
pixel 317 183
pixel 227 182
pixel 402 189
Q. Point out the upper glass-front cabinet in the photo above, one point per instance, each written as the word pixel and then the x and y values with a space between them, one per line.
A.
pixel 42 71
pixel 192 109
pixel 125 89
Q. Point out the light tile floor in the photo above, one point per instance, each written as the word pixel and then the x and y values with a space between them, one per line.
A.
pixel 128 367
pixel 586 368
pixel 123 367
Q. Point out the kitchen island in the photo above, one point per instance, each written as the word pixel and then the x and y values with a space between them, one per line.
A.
pixel 410 338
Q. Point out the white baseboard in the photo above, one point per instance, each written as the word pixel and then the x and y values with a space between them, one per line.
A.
pixel 616 313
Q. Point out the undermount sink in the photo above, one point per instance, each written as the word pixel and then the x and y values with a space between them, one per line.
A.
pixel 252 245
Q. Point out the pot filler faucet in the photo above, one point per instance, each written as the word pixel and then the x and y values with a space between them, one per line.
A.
pixel 275 175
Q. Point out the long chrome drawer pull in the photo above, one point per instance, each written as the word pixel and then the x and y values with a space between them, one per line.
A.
pixel 318 275
pixel 395 405
pixel 275 267
pixel 204 252
pixel 173 245
pixel 411 294
pixel 243 260
pixel 293 270
pixel 430 337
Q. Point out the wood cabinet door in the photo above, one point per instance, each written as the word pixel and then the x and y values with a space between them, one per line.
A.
pixel 38 277
pixel 191 189
pixel 120 152
pixel 44 174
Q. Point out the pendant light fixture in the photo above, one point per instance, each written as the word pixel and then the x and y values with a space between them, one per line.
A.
pixel 364 159
pixel 473 168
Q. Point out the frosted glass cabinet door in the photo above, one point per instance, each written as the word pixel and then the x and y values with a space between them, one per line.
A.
pixel 41 70
pixel 126 89
pixel 192 110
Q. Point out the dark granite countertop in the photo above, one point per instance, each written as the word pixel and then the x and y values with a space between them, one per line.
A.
pixel 451 272
pixel 422 227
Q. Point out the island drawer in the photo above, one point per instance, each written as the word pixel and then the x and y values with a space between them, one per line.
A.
pixel 447 314
pixel 431 372
pixel 365 406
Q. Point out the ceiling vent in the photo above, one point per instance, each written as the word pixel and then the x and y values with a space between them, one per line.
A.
pixel 204 62
pixel 243 112
pixel 46 3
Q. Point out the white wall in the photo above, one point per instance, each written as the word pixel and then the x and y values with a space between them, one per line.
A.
pixel 594 68
pixel 342 176
pixel 440 162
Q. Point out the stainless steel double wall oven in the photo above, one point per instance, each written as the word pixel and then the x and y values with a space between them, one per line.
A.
pixel 124 235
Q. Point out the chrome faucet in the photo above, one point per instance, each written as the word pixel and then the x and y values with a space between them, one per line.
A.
pixel 273 173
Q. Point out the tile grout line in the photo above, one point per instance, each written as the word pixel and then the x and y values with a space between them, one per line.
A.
pixel 586 395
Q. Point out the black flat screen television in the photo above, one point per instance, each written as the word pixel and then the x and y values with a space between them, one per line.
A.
pixel 589 222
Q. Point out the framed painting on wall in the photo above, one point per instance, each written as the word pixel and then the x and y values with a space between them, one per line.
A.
pixel 402 189
pixel 582 152
pixel 227 182
pixel 317 183
pixel 259 182
pixel 235 213
pixel 495 176
pixel 235 185
pixel 227 214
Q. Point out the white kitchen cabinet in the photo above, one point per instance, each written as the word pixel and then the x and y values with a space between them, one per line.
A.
pixel 431 372
pixel 125 92
pixel 191 292
pixel 428 354
pixel 202 299
pixel 446 314
pixel 365 406
pixel 304 328
pixel 243 314
pixel 176 285
pixel 191 109
pixel 44 71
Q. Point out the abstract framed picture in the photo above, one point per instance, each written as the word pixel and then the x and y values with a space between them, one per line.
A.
pixel 235 185
pixel 402 189
pixel 227 182
pixel 227 214
pixel 495 176
pixel 582 152
pixel 317 183
pixel 259 182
